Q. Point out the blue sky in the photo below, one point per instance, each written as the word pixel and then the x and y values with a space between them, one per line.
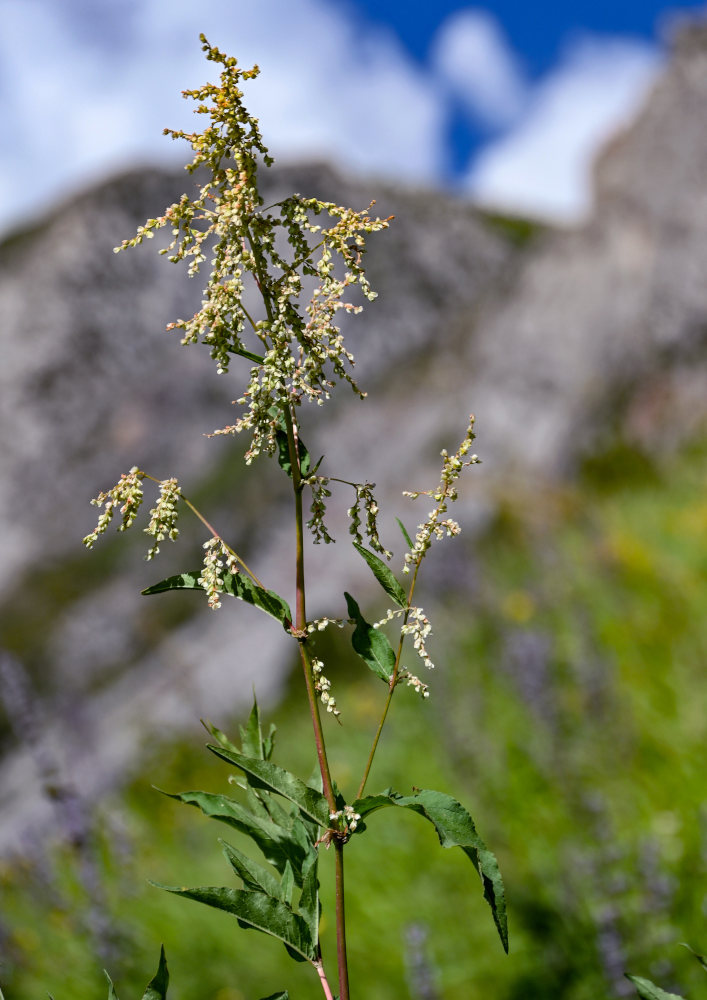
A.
pixel 504 103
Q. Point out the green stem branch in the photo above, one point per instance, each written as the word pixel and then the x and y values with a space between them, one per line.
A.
pixel 391 688
pixel 197 513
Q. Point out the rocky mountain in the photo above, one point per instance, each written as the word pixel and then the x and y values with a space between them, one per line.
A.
pixel 560 342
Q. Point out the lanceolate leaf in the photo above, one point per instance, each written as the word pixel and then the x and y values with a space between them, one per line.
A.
pixel 278 844
pixel 277 779
pixel 309 900
pixel 255 358
pixel 287 884
pixel 252 735
pixel 384 576
pixel 157 987
pixel 370 643
pixel 259 911
pixel 455 828
pixel 700 958
pixel 218 735
pixel 254 876
pixel 649 991
pixel 283 454
pixel 278 996
pixel 112 995
pixel 405 534
pixel 236 585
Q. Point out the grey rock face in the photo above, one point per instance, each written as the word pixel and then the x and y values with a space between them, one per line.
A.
pixel 610 323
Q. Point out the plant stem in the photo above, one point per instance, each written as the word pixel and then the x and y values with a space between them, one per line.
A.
pixel 341 923
pixel 213 531
pixel 391 688
pixel 301 627
pixel 322 976
pixel 301 616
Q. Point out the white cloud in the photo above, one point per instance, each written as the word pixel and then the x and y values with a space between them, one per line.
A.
pixel 543 166
pixel 86 89
pixel 473 57
pixel 78 106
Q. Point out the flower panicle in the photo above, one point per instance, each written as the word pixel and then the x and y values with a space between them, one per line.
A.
pixel 437 526
pixel 418 627
pixel 322 684
pixel 218 560
pixel 414 682
pixel 164 515
pixel 320 624
pixel 364 499
pixel 126 497
pixel 319 486
pixel 303 351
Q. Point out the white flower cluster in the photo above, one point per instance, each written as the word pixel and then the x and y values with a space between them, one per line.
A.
pixel 414 682
pixel 346 820
pixel 436 526
pixel 302 356
pixel 390 614
pixel 126 495
pixel 418 626
pixel 319 624
pixel 163 516
pixel 320 491
pixel 365 498
pixel 323 685
pixel 216 557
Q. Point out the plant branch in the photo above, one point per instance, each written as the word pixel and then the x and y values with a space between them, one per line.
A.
pixel 391 687
pixel 197 513
pixel 322 977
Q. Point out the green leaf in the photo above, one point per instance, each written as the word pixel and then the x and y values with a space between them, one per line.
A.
pixel 287 884
pixel 235 585
pixel 254 876
pixel 279 845
pixel 219 736
pixel 283 446
pixel 370 643
pixel 283 454
pixel 405 534
pixel 311 802
pixel 255 358
pixel 384 576
pixel 455 828
pixel 258 911
pixel 252 735
pixel 112 995
pixel 157 987
pixel 309 900
pixel 649 991
pixel 278 996
pixel 269 742
pixel 700 958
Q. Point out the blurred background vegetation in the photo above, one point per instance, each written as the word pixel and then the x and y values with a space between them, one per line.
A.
pixel 564 715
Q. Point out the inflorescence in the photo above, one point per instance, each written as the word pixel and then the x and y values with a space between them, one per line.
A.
pixel 295 355
pixel 437 526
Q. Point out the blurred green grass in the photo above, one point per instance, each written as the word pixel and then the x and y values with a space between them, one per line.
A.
pixel 567 714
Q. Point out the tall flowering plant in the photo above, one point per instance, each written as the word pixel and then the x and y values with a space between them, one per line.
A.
pixel 305 258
